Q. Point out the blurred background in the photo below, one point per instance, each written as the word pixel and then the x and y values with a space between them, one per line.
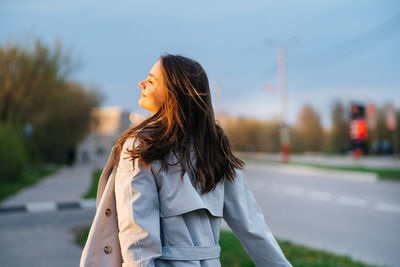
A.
pixel 307 91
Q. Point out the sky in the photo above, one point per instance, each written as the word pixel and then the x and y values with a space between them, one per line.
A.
pixel 335 49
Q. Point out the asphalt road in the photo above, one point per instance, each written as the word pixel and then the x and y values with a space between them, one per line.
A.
pixel 361 219
pixel 42 239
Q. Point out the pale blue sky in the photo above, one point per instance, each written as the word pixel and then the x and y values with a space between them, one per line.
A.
pixel 343 49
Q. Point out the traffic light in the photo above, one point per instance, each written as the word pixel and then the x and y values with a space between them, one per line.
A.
pixel 357 111
pixel 358 129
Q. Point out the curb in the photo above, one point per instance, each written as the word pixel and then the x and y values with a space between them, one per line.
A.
pixel 44 206
pixel 314 172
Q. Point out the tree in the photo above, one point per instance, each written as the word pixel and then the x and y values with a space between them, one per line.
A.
pixel 35 88
pixel 338 137
pixel 307 134
pixel 249 134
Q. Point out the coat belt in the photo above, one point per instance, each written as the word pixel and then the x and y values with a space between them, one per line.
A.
pixel 190 253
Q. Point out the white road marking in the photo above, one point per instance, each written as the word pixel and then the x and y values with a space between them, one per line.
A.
pixel 87 203
pixel 319 195
pixel 388 207
pixel 328 197
pixel 41 206
pixel 294 191
pixel 352 201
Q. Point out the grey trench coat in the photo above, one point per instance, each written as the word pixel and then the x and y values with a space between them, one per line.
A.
pixel 146 217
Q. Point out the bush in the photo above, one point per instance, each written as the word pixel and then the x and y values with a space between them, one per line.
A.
pixel 12 153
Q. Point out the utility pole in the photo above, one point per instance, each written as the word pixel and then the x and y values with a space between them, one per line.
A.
pixel 284 134
pixel 284 129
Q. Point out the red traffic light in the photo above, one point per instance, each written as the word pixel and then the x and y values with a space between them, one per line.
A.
pixel 358 129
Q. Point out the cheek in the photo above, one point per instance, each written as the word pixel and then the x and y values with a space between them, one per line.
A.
pixel 159 100
pixel 160 97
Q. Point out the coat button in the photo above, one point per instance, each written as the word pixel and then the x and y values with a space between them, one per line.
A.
pixel 108 212
pixel 107 249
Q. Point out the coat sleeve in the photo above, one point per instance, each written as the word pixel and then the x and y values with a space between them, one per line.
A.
pixel 137 206
pixel 245 218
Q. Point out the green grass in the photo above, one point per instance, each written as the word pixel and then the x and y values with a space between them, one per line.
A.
pixel 92 192
pixel 382 173
pixel 392 174
pixel 31 175
pixel 233 255
pixel 81 234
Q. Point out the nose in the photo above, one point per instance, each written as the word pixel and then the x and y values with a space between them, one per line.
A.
pixel 142 84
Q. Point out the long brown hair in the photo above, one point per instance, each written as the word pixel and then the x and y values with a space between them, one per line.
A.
pixel 185 118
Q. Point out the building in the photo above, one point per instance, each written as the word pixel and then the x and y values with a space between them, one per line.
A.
pixel 107 125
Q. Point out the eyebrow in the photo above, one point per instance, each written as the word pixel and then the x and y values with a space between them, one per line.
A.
pixel 153 76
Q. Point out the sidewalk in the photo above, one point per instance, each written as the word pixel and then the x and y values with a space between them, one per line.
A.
pixel 66 185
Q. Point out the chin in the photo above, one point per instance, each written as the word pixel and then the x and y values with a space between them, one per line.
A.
pixel 144 107
pixel 141 104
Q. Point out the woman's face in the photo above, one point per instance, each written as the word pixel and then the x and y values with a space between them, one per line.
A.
pixel 153 89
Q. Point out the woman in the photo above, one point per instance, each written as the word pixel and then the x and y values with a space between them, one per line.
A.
pixel 170 180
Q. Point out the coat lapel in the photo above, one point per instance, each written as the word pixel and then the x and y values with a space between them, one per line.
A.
pixel 105 174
